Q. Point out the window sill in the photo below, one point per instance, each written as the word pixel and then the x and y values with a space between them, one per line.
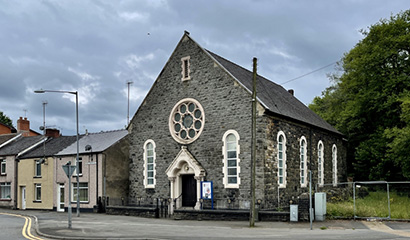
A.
pixel 5 200
pixel 3 174
pixel 37 177
pixel 81 202
pixel 37 201
pixel 75 175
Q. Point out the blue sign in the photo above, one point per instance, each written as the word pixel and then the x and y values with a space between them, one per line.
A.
pixel 207 192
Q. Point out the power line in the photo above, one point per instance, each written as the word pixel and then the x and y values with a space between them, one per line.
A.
pixel 293 79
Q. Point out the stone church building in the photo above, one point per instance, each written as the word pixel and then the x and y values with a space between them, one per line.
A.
pixel 195 125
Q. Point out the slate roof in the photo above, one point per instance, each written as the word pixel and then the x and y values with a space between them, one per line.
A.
pixel 52 146
pixel 5 137
pixel 274 97
pixel 98 141
pixel 19 145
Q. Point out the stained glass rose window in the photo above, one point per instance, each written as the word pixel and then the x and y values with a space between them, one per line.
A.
pixel 186 120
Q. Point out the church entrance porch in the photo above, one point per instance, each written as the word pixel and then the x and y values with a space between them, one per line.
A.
pixel 185 174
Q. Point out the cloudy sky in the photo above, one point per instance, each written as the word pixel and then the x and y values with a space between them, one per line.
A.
pixel 96 46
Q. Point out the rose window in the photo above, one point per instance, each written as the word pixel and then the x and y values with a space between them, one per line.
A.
pixel 186 121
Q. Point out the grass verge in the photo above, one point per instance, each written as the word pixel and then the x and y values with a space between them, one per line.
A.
pixel 373 205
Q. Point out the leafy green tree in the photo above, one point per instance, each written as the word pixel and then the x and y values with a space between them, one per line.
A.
pixel 5 120
pixel 367 102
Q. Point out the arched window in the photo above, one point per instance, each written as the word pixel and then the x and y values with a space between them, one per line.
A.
pixel 149 164
pixel 320 163
pixel 281 159
pixel 334 164
pixel 231 168
pixel 303 162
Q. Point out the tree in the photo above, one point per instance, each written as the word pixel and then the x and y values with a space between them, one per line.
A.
pixel 368 101
pixel 5 120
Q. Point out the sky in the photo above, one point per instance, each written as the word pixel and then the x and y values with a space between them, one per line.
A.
pixel 95 47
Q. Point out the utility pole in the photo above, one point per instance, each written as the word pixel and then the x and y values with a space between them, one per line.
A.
pixel 253 153
pixel 128 108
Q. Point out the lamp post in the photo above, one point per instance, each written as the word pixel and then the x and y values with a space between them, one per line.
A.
pixel 76 114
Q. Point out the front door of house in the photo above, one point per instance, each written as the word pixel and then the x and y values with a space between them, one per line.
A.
pixel 188 190
pixel 23 198
pixel 60 198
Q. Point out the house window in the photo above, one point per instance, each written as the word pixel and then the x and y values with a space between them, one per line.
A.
pixel 185 68
pixel 186 121
pixel 303 162
pixel 37 170
pixel 5 190
pixel 83 192
pixel 334 164
pixel 149 164
pixel 37 192
pixel 231 150
pixel 3 167
pixel 281 159
pixel 320 160
pixel 80 166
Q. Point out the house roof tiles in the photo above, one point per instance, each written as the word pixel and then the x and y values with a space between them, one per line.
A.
pixel 98 141
pixel 19 145
pixel 51 147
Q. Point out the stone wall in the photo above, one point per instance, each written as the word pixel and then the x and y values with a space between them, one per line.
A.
pixel 293 132
pixel 227 105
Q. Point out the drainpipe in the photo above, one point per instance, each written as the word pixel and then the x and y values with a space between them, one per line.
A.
pixel 96 195
pixel 16 161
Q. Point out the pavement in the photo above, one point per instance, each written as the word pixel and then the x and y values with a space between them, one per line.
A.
pixel 54 225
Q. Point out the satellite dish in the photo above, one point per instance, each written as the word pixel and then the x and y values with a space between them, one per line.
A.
pixel 41 128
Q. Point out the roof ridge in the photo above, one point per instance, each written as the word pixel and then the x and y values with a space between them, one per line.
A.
pixel 237 65
pixel 108 131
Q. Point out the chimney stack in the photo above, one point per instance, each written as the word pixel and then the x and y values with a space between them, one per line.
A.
pixel 23 126
pixel 52 132
pixel 291 91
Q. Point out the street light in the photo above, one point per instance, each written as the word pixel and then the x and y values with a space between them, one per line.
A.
pixel 78 150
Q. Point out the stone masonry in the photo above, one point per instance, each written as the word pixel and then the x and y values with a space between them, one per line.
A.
pixel 227 106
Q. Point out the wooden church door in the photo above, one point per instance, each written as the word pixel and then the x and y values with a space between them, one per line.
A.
pixel 188 190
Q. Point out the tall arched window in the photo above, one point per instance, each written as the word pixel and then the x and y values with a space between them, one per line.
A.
pixel 231 168
pixel 149 164
pixel 303 162
pixel 281 159
pixel 320 163
pixel 334 164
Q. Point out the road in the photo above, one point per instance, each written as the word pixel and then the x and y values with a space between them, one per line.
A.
pixel 14 226
pixel 102 226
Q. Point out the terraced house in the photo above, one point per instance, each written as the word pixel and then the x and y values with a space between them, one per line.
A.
pixel 194 125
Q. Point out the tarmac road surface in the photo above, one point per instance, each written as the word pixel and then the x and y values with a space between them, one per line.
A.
pixel 101 226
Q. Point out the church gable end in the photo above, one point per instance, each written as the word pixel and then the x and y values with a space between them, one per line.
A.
pixel 219 104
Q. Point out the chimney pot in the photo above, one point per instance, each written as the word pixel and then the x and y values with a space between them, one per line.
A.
pixel 291 91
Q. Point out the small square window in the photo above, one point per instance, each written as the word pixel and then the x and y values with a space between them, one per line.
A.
pixel 5 190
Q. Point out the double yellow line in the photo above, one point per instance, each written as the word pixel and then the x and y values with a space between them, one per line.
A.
pixel 26 232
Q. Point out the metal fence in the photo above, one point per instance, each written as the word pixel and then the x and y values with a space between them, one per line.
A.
pixel 368 199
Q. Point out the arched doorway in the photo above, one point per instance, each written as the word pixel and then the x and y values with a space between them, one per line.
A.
pixel 185 174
